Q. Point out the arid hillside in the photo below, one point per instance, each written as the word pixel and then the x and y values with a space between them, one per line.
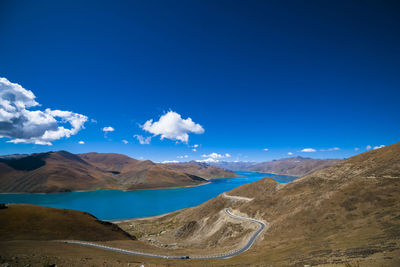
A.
pixel 348 213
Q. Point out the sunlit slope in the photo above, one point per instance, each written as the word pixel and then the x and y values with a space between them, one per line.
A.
pixel 345 212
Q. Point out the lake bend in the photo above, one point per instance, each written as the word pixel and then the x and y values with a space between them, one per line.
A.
pixel 119 205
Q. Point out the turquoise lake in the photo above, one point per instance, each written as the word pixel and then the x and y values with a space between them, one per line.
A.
pixel 116 204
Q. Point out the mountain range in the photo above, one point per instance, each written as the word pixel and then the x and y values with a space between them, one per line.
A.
pixel 294 166
pixel 62 171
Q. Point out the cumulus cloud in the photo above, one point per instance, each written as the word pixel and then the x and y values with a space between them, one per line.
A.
pixel 23 125
pixel 308 150
pixel 290 153
pixel 216 155
pixel 125 142
pixel 108 129
pixel 195 145
pixel 368 147
pixel 265 149
pixel 173 127
pixel 81 142
pixel 377 147
pixel 356 149
pixel 213 157
pixel 331 149
pixel 170 161
pixel 194 149
pixel 209 160
pixel 143 140
pixel 183 157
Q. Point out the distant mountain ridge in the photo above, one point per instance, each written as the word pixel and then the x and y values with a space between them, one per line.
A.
pixel 201 169
pixel 294 166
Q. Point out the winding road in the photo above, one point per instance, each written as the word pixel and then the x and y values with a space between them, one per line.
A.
pixel 220 256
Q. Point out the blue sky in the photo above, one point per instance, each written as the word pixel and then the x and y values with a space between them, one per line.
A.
pixel 281 75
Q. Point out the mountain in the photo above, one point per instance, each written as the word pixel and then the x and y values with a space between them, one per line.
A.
pixel 31 222
pixel 295 166
pixel 63 171
pixel 345 214
pixel 200 169
pixel 135 174
pixel 234 165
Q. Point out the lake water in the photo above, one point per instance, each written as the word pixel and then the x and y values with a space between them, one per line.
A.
pixel 116 204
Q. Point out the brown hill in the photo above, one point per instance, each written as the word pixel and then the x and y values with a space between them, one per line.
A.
pixel 203 170
pixel 63 171
pixel 51 172
pixel 348 213
pixel 296 166
pixel 31 222
pixel 136 174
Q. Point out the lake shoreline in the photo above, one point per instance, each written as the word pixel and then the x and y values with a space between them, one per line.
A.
pixel 94 190
pixel 121 205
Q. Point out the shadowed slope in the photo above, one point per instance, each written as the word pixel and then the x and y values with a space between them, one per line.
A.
pixel 30 222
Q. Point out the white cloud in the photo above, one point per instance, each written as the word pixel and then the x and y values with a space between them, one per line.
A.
pixel 173 127
pixel 377 147
pixel 183 157
pixel 81 142
pixel 216 156
pixel 356 149
pixel 196 145
pixel 143 140
pixel 368 147
pixel 108 129
pixel 170 161
pixel 265 149
pixel 308 150
pixel 37 127
pixel 331 149
pixel 194 149
pixel 290 153
pixel 125 142
pixel 93 121
pixel 208 160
